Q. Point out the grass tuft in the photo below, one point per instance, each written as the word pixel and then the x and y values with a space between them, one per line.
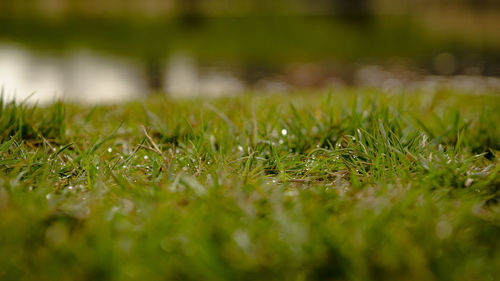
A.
pixel 363 186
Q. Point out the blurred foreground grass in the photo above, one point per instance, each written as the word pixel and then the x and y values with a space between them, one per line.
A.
pixel 346 186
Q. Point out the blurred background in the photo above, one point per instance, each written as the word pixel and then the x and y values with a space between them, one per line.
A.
pixel 112 51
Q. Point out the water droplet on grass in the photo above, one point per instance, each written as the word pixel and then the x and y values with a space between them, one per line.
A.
pixel 443 229
pixel 242 239
pixel 291 193
pixel 468 182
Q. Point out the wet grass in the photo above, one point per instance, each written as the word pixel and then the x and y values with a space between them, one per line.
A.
pixel 346 186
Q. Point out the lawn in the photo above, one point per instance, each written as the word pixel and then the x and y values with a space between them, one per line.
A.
pixel 349 185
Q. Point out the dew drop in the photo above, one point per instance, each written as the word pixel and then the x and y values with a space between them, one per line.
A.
pixel 291 193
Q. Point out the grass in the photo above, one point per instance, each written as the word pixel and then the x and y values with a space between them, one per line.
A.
pixel 355 185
